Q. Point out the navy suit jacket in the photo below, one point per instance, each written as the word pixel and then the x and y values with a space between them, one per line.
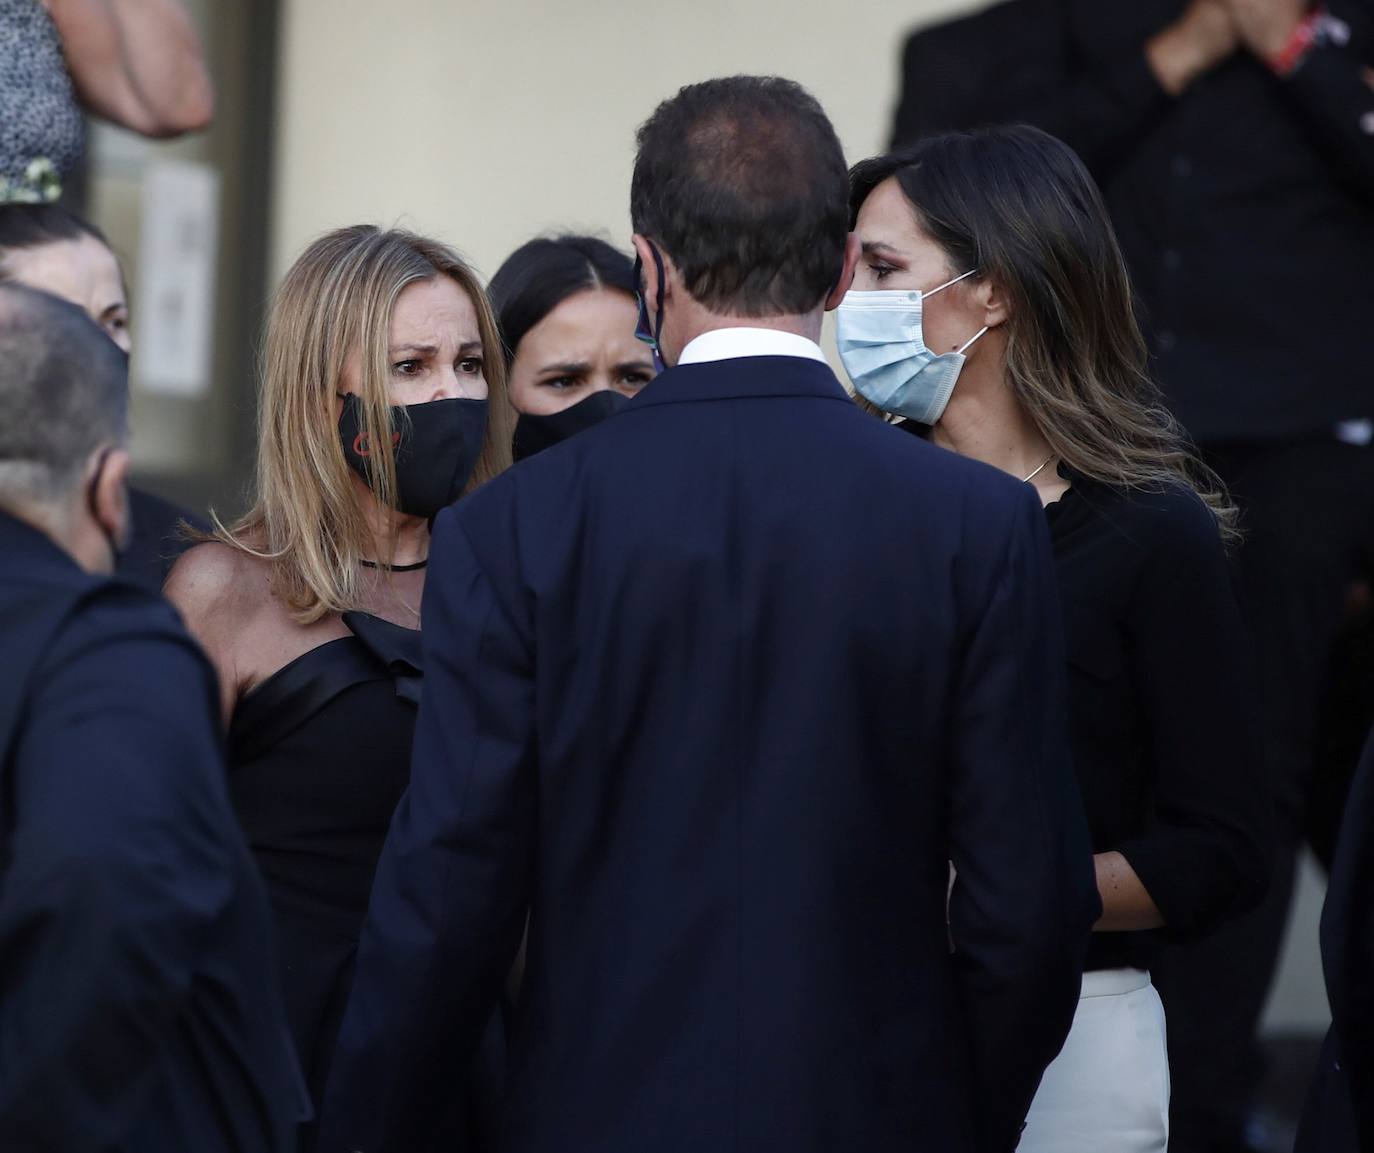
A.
pixel 714 692
pixel 139 1008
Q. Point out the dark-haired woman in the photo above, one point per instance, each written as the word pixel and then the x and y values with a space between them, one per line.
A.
pixel 45 247
pixel 566 310
pixel 992 312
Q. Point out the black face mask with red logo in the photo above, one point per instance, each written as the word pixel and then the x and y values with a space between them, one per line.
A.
pixel 436 447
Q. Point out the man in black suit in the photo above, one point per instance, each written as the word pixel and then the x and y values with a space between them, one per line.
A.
pixel 138 1003
pixel 714 692
pixel 1340 1109
pixel 1234 142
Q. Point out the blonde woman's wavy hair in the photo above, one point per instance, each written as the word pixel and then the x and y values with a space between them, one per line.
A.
pixel 339 296
pixel 1016 206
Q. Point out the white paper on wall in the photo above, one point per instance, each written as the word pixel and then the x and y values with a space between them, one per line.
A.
pixel 174 307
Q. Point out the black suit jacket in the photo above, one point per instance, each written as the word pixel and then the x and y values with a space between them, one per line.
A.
pixel 951 71
pixel 1339 1117
pixel 155 539
pixel 138 997
pixel 1245 207
pixel 714 692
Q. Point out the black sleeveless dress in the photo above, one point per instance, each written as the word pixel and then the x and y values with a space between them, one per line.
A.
pixel 319 758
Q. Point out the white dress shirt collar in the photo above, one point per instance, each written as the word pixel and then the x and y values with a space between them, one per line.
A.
pixel 732 343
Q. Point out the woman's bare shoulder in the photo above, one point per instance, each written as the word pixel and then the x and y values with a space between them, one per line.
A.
pixel 216 581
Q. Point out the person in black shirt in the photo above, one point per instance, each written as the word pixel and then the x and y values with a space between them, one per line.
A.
pixel 138 1009
pixel 992 310
pixel 1234 143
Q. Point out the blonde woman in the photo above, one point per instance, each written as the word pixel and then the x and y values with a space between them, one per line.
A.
pixel 383 400
pixel 992 311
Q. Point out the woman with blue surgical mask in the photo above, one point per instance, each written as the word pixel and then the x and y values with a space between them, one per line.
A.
pixel 992 315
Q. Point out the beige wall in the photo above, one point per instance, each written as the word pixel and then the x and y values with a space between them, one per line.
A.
pixel 490 121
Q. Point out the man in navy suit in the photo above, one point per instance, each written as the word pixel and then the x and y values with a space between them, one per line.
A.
pixel 714 693
pixel 138 1003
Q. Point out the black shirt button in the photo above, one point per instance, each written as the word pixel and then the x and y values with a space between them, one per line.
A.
pixel 1183 167
pixel 1173 259
pixel 1167 341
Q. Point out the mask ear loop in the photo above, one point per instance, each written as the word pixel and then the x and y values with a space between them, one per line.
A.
pixel 964 348
pixel 981 332
pixel 658 319
pixel 948 283
pixel 646 330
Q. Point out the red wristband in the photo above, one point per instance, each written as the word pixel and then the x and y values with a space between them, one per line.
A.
pixel 1285 62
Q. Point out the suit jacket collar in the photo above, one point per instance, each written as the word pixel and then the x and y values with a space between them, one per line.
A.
pixel 742 378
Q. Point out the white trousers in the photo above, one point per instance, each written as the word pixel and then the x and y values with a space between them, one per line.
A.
pixel 1108 1090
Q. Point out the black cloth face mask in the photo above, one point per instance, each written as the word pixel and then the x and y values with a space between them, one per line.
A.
pixel 646 331
pixel 536 433
pixel 436 447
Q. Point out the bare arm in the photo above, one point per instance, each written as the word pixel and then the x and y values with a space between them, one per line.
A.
pixel 136 63
pixel 1126 904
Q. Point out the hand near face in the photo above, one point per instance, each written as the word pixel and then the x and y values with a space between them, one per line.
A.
pixel 1265 26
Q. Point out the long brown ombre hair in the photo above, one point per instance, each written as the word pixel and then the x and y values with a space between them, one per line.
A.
pixel 1019 208
pixel 338 297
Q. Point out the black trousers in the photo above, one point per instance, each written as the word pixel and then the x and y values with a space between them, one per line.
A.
pixel 1308 514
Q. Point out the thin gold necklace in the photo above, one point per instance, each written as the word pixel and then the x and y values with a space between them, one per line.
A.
pixel 1038 471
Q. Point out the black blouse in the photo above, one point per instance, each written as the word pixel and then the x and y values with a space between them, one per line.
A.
pixel 1160 706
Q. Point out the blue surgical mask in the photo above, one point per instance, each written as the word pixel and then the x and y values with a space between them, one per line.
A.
pixel 883 348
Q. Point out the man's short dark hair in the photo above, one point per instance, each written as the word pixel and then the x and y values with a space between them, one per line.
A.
pixel 742 182
pixel 64 392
